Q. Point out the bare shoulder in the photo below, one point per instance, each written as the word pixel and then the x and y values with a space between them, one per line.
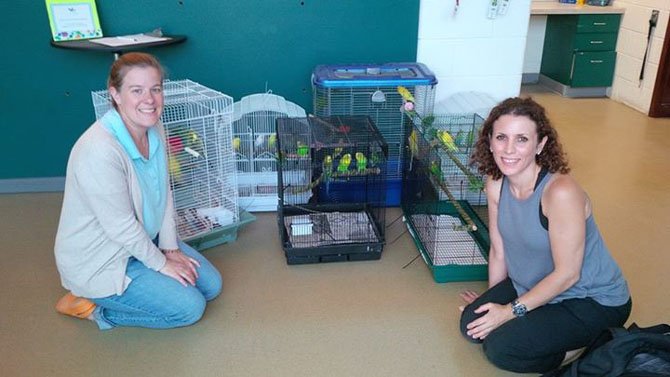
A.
pixel 564 191
pixel 493 189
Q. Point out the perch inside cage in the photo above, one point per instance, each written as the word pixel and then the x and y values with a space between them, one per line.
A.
pixel 331 188
pixel 255 147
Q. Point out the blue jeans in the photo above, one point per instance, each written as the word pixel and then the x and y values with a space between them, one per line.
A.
pixel 158 301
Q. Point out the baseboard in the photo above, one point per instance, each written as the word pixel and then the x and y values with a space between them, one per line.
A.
pixel 530 78
pixel 51 184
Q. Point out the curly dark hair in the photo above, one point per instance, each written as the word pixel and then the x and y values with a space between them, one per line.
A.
pixel 552 156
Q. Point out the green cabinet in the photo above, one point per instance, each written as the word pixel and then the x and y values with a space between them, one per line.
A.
pixel 579 50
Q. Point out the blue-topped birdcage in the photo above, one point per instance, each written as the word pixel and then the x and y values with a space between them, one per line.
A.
pixel 371 89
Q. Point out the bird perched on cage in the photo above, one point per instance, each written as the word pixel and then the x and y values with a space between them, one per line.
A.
pixel 361 161
pixel 447 140
pixel 272 141
pixel 413 142
pixel 303 149
pixel 436 170
pixel 193 144
pixel 327 167
pixel 174 168
pixel 344 163
pixel 237 142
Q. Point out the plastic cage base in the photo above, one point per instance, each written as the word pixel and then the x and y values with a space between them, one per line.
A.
pixel 221 235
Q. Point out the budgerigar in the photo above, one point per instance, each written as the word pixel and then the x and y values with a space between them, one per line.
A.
pixel 460 138
pixel 405 94
pixel 272 141
pixel 413 147
pixel 237 142
pixel 446 140
pixel 303 150
pixel 327 167
pixel 193 144
pixel 361 161
pixel 343 165
pixel 436 170
pixel 174 168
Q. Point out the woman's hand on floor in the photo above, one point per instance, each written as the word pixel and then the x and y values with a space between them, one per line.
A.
pixel 469 297
pixel 180 267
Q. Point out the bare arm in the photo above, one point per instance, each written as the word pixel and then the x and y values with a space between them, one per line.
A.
pixel 497 267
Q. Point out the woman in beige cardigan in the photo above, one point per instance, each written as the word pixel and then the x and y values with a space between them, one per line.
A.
pixel 116 248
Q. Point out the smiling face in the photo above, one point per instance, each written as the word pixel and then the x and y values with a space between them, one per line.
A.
pixel 139 99
pixel 514 144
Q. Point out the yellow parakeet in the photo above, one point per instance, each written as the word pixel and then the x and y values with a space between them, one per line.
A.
pixel 413 147
pixel 236 143
pixel 272 141
pixel 174 168
pixel 405 94
pixel 447 141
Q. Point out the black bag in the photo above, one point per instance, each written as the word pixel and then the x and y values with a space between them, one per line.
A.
pixel 633 352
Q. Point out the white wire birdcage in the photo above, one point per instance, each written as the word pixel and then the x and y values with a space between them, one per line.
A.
pixel 198 130
pixel 255 146
pixel 372 90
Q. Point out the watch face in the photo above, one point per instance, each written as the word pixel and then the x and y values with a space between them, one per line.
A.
pixel 518 309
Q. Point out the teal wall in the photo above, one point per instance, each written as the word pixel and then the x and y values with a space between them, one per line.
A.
pixel 238 47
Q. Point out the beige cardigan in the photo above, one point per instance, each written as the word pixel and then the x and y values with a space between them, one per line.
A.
pixel 100 225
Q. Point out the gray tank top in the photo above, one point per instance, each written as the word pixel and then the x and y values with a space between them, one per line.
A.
pixel 528 252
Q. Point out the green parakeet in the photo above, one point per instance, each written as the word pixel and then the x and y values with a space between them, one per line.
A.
pixel 361 161
pixel 303 150
pixel 343 165
pixel 236 143
pixel 272 141
pixel 460 139
pixel 327 166
pixel 436 170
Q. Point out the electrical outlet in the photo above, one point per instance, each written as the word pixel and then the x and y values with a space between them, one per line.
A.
pixel 654 18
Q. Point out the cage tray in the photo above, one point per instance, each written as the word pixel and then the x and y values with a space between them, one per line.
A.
pixel 455 271
pixel 221 235
pixel 319 238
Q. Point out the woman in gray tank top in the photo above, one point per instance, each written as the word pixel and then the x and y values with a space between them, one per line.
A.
pixel 553 285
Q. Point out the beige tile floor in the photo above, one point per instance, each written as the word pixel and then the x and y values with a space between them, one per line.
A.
pixel 343 319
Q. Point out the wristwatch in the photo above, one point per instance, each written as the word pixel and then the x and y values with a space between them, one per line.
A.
pixel 519 309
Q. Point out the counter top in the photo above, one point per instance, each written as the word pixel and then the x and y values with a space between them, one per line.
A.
pixel 541 8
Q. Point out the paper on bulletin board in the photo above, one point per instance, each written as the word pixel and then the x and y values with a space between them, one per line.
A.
pixel 73 19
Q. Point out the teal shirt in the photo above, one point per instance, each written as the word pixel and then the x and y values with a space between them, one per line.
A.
pixel 151 172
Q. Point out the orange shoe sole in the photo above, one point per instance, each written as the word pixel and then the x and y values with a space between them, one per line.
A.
pixel 75 306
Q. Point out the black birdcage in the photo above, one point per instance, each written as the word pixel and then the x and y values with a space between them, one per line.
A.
pixel 443 199
pixel 332 188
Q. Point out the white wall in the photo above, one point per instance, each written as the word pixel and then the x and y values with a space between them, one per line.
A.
pixel 630 50
pixel 469 52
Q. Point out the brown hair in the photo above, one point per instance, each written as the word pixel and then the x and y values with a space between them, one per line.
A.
pixel 552 156
pixel 125 62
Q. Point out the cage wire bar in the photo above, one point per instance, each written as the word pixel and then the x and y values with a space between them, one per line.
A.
pixel 443 199
pixel 197 123
pixel 255 146
pixel 332 188
pixel 372 90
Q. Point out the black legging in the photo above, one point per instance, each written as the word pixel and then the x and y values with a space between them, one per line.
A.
pixel 537 342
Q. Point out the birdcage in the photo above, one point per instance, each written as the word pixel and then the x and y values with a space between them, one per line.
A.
pixel 369 89
pixel 332 188
pixel 254 143
pixel 197 122
pixel 443 202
